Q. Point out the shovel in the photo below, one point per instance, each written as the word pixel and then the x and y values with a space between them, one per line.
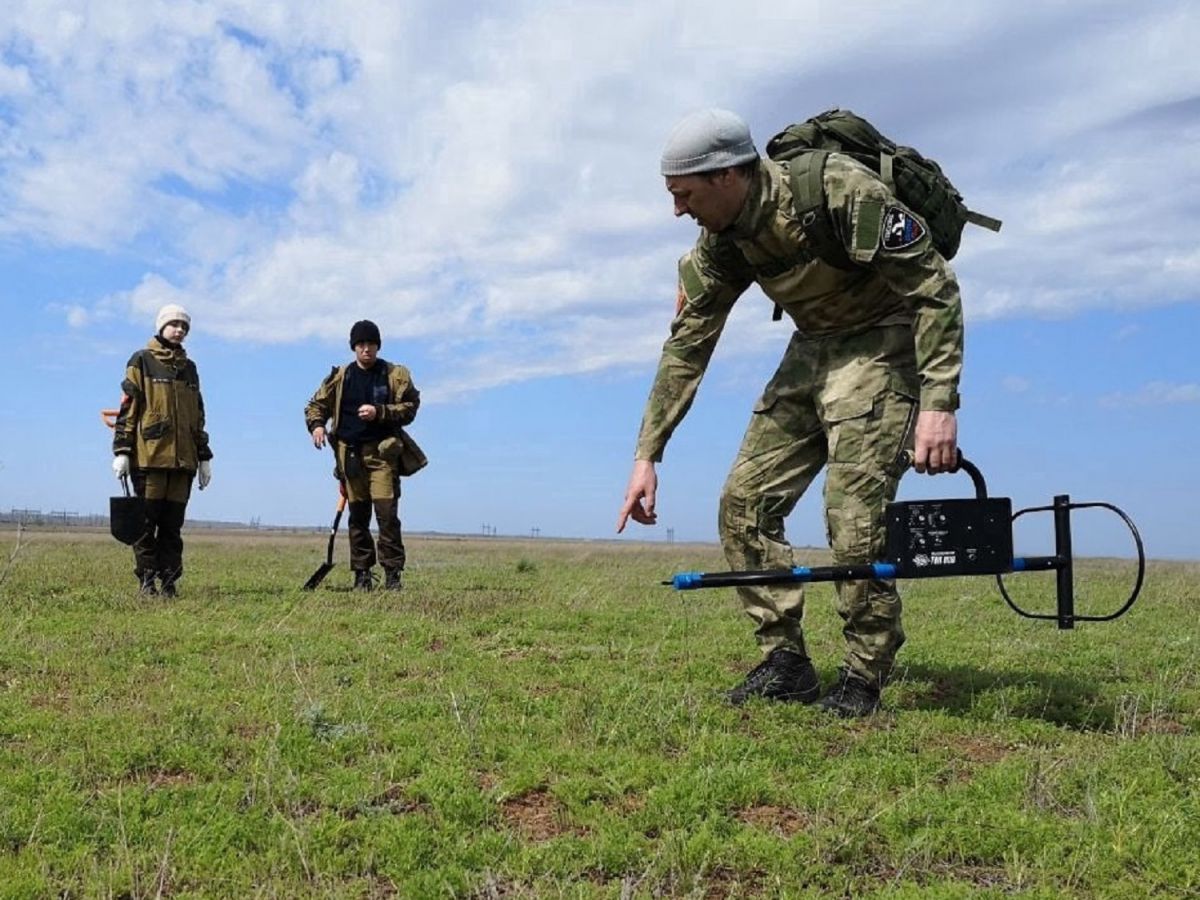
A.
pixel 327 566
pixel 126 515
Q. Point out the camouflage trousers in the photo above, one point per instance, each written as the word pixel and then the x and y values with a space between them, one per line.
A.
pixel 160 547
pixel 371 484
pixel 847 404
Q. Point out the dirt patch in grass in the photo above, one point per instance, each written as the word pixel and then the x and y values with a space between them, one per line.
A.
pixel 253 730
pixel 721 882
pixel 627 804
pixel 151 779
pixel 1157 723
pixel 537 816
pixel 776 819
pixel 393 800
pixel 379 886
pixel 724 882
pixel 977 749
pixel 495 888
pixel 60 701
pixel 978 877
pixel 303 809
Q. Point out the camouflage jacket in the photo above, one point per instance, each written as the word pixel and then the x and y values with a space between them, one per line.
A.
pixel 161 421
pixel 899 278
pixel 400 409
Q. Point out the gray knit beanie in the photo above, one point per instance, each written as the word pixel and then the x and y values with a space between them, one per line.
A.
pixel 706 140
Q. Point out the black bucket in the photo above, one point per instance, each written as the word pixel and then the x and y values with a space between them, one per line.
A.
pixel 127 516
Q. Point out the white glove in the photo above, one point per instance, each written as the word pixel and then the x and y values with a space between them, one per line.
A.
pixel 204 473
pixel 121 465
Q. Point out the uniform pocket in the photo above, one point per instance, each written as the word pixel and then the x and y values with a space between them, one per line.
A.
pixel 156 429
pixel 847 424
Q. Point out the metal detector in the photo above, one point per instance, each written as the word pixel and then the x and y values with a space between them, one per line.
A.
pixel 963 536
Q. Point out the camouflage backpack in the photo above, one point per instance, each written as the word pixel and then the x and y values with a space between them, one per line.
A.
pixel 916 181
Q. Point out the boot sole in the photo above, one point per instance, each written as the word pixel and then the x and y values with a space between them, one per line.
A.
pixel 807 696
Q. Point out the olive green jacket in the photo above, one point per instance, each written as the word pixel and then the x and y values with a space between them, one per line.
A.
pixel 161 421
pixel 893 282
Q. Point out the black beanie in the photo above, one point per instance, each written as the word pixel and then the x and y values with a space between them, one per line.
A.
pixel 365 332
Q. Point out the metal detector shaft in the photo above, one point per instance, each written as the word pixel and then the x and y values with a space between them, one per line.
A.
pixel 690 581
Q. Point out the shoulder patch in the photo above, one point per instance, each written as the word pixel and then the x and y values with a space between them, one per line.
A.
pixel 900 229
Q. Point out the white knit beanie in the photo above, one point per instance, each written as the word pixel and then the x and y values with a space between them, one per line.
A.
pixel 172 312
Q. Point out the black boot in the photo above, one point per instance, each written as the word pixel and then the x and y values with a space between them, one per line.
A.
pixel 168 587
pixel 146 586
pixel 851 697
pixel 364 580
pixel 783 675
pixel 391 579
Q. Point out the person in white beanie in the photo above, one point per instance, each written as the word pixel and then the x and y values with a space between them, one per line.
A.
pixel 160 442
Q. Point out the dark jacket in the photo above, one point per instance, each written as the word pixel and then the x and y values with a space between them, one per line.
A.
pixel 400 408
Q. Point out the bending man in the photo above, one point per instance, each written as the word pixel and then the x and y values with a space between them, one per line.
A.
pixel 875 359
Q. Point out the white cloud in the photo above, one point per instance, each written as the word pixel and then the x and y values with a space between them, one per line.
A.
pixel 77 316
pixel 1127 332
pixel 14 80
pixel 453 168
pixel 1155 393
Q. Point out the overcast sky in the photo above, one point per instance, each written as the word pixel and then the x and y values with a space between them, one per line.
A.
pixel 481 180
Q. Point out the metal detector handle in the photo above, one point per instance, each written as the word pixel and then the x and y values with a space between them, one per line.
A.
pixel 961 463
pixel 1063 564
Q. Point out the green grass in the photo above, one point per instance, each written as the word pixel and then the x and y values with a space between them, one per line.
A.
pixel 542 719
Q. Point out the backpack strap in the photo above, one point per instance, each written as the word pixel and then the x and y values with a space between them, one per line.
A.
pixel 806 175
pixel 887 169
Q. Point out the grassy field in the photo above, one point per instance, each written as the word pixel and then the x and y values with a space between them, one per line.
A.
pixel 542 719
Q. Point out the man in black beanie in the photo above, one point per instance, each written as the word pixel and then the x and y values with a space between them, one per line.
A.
pixel 368 400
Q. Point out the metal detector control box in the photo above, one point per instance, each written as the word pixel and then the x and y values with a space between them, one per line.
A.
pixel 931 538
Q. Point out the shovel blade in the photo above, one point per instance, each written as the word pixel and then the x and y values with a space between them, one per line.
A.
pixel 127 518
pixel 318 576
